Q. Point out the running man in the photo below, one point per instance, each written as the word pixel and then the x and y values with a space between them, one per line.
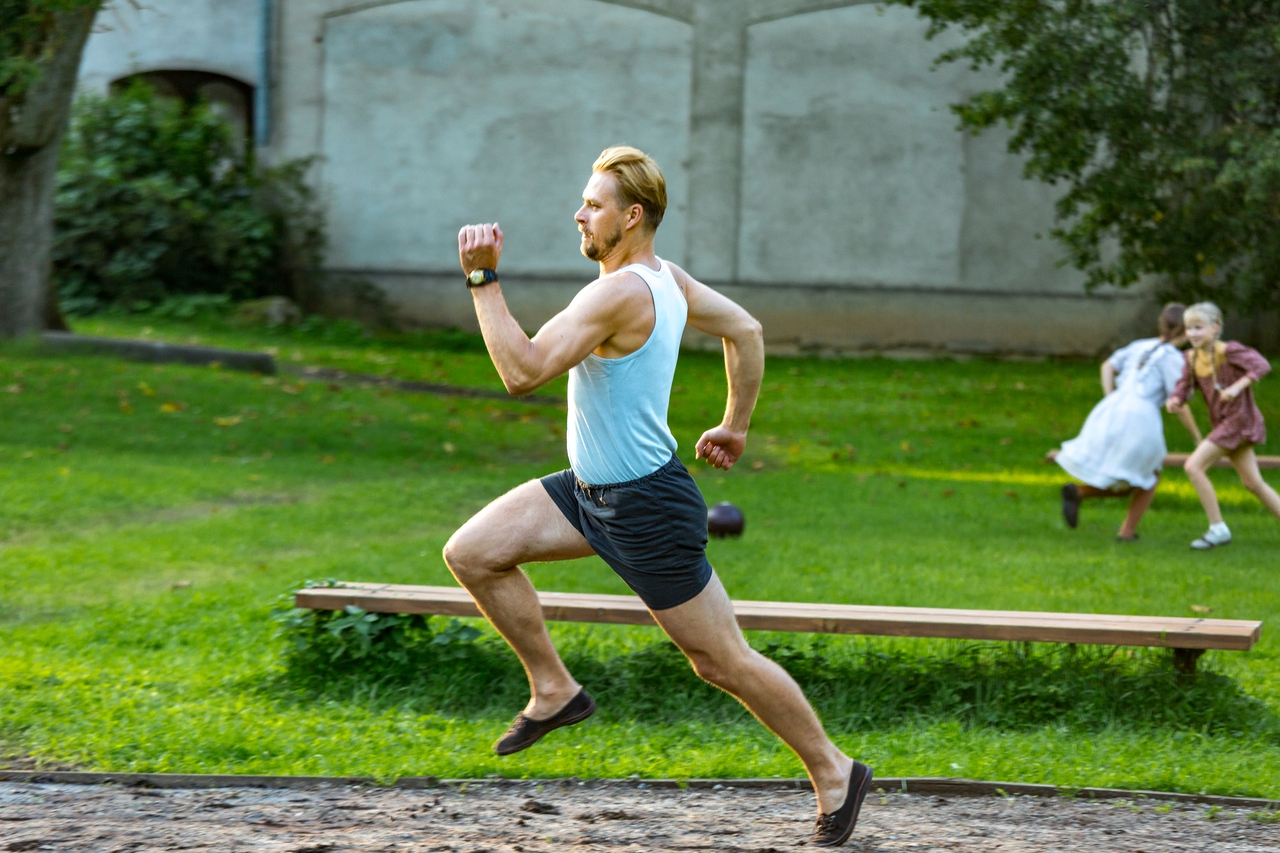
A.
pixel 627 497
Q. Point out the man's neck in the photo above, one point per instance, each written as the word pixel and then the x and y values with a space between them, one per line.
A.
pixel 627 253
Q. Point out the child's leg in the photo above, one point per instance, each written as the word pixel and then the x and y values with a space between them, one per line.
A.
pixel 1137 508
pixel 1197 468
pixel 1246 464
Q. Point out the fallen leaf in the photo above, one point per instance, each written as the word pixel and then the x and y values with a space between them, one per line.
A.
pixel 126 408
pixel 1019 386
pixel 326 459
pixel 181 585
pixel 1010 494
pixel 968 422
pixel 146 389
pixel 227 421
pixel 1200 608
pixel 15 388
pixel 64 471
pixel 448 447
pixel 1005 442
pixel 757 465
pixel 948 493
pixel 906 445
pixel 290 389
pixel 171 407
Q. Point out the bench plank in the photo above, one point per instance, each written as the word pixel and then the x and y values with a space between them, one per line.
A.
pixel 1177 460
pixel 931 622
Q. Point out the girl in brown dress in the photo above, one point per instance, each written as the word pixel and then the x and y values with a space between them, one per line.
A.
pixel 1224 372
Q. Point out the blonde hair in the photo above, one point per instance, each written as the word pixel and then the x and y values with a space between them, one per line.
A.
pixel 640 181
pixel 1206 312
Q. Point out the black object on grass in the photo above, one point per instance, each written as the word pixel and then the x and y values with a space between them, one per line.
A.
pixel 725 519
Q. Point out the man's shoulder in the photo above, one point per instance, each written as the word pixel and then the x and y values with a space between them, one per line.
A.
pixel 612 292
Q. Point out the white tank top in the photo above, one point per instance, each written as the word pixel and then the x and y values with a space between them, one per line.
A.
pixel 618 406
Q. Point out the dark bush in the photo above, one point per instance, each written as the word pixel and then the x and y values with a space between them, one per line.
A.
pixel 157 199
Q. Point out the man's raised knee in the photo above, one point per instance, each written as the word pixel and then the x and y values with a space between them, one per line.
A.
pixel 461 561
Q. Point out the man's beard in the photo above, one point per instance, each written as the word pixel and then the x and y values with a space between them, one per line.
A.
pixel 596 249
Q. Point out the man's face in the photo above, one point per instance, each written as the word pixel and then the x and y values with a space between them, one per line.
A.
pixel 601 217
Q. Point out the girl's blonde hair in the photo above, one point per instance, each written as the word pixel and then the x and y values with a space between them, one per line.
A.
pixel 1206 312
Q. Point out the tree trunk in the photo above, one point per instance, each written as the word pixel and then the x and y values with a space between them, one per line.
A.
pixel 31 131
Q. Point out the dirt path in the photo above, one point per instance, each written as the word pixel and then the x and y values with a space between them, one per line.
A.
pixel 499 819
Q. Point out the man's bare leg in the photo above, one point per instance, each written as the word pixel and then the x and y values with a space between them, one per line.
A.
pixel 705 630
pixel 485 554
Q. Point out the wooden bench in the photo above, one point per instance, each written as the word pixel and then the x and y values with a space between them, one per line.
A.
pixel 1187 637
pixel 1177 460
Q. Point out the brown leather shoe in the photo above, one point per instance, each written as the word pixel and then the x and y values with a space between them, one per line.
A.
pixel 525 732
pixel 832 830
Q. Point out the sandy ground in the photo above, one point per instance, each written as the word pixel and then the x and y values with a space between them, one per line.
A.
pixel 556 817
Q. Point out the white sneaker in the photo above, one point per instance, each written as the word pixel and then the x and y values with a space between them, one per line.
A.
pixel 1211 540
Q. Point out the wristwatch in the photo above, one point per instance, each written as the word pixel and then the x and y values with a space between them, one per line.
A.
pixel 479 278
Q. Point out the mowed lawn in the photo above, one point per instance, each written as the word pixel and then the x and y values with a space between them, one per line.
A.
pixel 150 516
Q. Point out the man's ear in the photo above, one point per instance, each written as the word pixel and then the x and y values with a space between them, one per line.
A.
pixel 635 215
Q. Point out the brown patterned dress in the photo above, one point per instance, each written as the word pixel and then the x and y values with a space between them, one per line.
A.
pixel 1235 423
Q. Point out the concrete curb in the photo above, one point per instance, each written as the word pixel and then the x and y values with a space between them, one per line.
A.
pixel 158 352
pixel 938 786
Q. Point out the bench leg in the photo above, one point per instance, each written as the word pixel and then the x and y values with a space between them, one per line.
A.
pixel 1184 660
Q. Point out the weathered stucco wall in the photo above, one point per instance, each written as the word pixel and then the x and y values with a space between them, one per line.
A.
pixel 217 36
pixel 815 171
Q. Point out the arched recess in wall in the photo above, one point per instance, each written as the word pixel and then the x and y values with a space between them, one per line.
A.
pixel 228 97
pixel 442 112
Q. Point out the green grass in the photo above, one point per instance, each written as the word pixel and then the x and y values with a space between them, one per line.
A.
pixel 142 547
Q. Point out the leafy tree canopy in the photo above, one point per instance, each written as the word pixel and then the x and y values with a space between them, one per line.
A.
pixel 27 39
pixel 1160 117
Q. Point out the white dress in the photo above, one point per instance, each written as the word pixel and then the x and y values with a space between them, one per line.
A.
pixel 1122 442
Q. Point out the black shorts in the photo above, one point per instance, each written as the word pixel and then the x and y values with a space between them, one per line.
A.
pixel 651 531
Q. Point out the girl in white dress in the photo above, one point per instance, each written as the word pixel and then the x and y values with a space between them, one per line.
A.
pixel 1120 450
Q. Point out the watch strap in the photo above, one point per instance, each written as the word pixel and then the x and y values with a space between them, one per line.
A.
pixel 479 278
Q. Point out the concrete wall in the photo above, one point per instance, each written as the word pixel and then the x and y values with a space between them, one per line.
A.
pixel 815 171
pixel 217 36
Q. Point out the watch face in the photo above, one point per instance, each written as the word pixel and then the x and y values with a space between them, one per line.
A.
pixel 476 277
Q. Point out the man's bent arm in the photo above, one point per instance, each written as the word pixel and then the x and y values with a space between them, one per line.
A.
pixel 743 339
pixel 527 364
pixel 565 340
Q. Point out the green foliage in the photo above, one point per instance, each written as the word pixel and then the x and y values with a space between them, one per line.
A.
pixel 1161 118
pixel 322 642
pixel 156 199
pixel 25 31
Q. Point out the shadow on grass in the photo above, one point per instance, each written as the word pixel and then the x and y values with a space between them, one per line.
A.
pixel 855 685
